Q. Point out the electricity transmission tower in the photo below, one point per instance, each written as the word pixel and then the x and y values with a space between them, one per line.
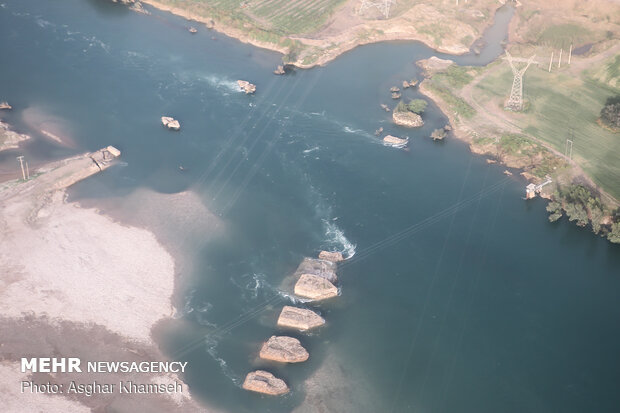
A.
pixel 382 5
pixel 515 101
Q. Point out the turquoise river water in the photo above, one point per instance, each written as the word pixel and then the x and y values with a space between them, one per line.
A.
pixel 459 296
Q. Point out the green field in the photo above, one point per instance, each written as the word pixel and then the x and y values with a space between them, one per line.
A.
pixel 291 16
pixel 445 82
pixel 560 106
pixel 276 17
pixel 560 35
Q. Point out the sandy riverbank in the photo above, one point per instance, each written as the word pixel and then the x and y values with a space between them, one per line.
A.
pixel 76 283
pixel 13 401
pixel 75 264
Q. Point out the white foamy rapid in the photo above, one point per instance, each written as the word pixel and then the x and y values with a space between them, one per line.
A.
pixel 293 298
pixel 335 240
pixel 250 284
pixel 221 83
pixel 316 148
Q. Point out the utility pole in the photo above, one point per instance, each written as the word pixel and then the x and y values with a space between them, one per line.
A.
pixel 570 53
pixel 550 62
pixel 569 152
pixel 21 163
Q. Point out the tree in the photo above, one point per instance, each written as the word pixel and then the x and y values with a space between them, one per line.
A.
pixel 614 234
pixel 596 214
pixel 555 210
pixel 576 212
pixel 610 114
pixel 578 194
pixel 417 106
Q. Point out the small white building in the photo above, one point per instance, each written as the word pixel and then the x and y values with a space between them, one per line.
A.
pixel 530 191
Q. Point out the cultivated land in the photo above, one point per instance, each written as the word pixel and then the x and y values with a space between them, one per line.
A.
pixel 311 33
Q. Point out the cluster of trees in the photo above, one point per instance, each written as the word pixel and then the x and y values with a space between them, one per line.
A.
pixel 416 106
pixel 583 208
pixel 610 114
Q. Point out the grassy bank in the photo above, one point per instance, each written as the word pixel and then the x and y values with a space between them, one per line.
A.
pixel 447 84
pixel 561 105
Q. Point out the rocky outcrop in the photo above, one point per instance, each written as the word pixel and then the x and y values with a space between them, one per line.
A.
pixel 283 349
pixel 134 5
pixel 333 256
pixel 315 287
pixel 5 105
pixel 441 133
pixel 246 86
pixel 279 70
pixel 170 123
pixel 438 134
pixel 137 6
pixel 261 381
pixel 434 64
pixel 319 267
pixel 299 318
pixel 407 119
pixel 395 142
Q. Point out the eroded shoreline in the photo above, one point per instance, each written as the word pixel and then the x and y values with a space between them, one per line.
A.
pixel 377 31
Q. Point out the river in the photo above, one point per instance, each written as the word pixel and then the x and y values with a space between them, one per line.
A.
pixel 459 295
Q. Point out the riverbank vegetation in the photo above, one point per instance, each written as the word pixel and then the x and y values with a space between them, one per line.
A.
pixel 447 83
pixel 566 130
pixel 583 206
pixel 417 106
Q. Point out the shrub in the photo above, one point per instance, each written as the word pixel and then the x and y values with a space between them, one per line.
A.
pixel 610 114
pixel 416 106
